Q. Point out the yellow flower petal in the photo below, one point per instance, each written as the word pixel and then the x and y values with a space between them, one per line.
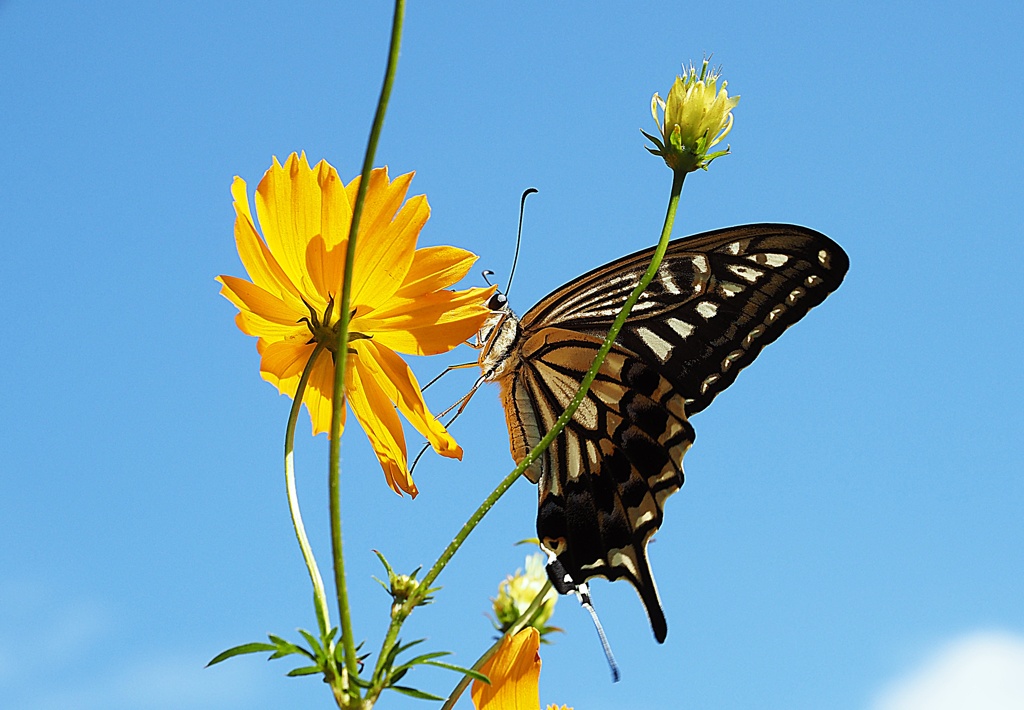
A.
pixel 253 324
pixel 256 257
pixel 397 382
pixel 319 396
pixel 435 268
pixel 515 674
pixel 251 297
pixel 382 262
pixel 288 201
pixel 431 324
pixel 325 253
pixel 383 198
pixel 282 362
pixel 379 420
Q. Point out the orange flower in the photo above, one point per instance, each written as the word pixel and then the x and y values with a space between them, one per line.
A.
pixel 515 674
pixel 399 302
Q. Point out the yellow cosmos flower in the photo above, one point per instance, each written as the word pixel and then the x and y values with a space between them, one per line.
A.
pixel 696 117
pixel 399 301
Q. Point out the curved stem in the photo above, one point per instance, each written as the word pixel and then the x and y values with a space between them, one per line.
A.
pixel 581 393
pixel 606 346
pixel 319 595
pixel 341 354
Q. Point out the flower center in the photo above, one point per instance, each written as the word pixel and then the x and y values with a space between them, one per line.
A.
pixel 321 331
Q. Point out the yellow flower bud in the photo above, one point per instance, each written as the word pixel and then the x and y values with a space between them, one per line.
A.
pixel 696 116
pixel 518 591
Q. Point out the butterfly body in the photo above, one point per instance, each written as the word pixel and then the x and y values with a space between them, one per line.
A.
pixel 717 300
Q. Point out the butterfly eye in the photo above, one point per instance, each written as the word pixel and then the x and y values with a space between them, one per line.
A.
pixel 497 302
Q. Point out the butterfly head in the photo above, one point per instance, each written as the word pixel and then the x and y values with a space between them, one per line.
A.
pixel 498 302
pixel 497 337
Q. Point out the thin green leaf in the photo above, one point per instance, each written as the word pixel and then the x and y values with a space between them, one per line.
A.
pixel 421 659
pixel 287 648
pixel 476 675
pixel 398 648
pixel 305 670
pixel 240 650
pixel 412 692
pixel 356 680
pixel 313 643
pixel 283 644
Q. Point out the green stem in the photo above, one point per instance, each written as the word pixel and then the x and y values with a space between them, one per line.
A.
pixel 341 354
pixel 659 253
pixel 319 595
pixel 581 393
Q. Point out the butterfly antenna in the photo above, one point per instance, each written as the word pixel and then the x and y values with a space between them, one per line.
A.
pixel 519 237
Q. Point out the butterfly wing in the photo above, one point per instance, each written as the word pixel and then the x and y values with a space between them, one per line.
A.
pixel 604 480
pixel 716 301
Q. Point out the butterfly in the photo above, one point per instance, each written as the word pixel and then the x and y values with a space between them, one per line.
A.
pixel 717 300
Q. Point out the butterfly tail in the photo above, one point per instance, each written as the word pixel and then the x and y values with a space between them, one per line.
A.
pixel 648 592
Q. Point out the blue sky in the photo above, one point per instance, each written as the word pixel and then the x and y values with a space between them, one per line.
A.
pixel 851 517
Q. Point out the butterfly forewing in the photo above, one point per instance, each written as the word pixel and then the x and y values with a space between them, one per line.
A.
pixel 716 301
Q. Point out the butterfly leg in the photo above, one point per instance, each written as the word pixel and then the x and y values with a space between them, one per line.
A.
pixel 445 371
pixel 460 403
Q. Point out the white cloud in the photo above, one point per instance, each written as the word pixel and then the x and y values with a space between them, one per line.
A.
pixel 981 671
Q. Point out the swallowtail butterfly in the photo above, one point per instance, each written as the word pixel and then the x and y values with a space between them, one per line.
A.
pixel 716 301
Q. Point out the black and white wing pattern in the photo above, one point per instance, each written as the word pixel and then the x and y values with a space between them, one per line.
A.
pixel 718 299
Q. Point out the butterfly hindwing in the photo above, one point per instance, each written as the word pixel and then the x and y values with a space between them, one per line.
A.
pixel 604 481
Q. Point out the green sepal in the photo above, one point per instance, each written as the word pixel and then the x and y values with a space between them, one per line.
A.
pixel 657 142
pixel 386 587
pixel 383 561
